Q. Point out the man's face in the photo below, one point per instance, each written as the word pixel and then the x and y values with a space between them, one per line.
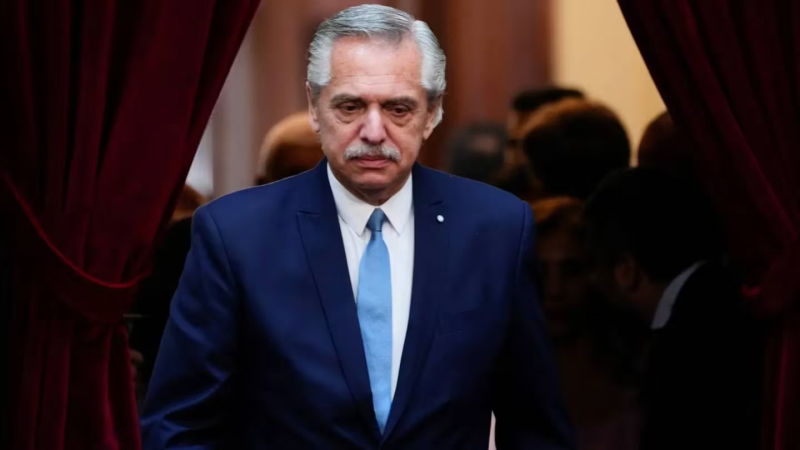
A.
pixel 373 115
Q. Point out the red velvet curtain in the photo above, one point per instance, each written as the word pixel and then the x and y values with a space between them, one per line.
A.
pixel 104 103
pixel 729 72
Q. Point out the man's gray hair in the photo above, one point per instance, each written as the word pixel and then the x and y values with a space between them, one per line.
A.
pixel 380 22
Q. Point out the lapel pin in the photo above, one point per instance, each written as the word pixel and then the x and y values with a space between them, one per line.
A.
pixel 440 218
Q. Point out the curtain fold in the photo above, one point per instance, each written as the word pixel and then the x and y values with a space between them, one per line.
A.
pixel 729 73
pixel 104 104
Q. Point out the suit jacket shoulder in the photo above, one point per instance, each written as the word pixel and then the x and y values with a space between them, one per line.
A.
pixel 472 194
pixel 257 202
pixel 477 203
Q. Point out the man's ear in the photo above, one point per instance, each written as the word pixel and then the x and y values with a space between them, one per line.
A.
pixel 312 109
pixel 430 122
pixel 628 274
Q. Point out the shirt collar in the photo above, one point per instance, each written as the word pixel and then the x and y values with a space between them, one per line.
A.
pixel 664 308
pixel 356 212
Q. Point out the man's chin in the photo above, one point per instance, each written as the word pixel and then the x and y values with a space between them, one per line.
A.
pixel 370 164
pixel 373 184
pixel 375 177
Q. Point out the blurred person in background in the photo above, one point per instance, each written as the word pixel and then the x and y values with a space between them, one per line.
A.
pixel 657 255
pixel 603 407
pixel 515 176
pixel 526 103
pixel 663 147
pixel 564 265
pixel 572 145
pixel 477 152
pixel 151 310
pixel 290 147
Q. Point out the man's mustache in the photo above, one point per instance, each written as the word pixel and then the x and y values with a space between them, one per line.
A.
pixel 362 150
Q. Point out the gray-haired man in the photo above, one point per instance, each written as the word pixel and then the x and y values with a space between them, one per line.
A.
pixel 369 303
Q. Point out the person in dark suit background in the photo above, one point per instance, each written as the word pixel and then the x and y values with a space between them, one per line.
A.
pixel 368 303
pixel 658 254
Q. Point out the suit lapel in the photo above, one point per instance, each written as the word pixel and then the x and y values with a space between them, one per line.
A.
pixel 322 240
pixel 431 245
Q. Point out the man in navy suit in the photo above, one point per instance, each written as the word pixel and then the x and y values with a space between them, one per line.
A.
pixel 369 303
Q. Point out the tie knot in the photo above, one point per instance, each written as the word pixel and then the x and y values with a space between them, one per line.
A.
pixel 375 223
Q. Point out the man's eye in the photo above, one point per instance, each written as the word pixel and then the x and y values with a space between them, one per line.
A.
pixel 349 108
pixel 399 110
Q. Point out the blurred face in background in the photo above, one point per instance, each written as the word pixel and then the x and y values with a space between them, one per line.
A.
pixel 373 116
pixel 566 282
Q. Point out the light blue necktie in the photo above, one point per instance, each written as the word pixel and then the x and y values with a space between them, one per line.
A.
pixel 374 305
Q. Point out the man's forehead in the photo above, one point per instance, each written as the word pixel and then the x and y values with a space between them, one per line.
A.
pixel 374 89
pixel 375 62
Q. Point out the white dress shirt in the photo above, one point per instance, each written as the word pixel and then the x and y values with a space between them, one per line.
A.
pixel 664 308
pixel 398 234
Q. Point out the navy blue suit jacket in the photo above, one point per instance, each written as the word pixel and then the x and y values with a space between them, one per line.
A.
pixel 263 347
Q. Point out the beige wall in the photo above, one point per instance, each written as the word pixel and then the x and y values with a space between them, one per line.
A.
pixel 594 51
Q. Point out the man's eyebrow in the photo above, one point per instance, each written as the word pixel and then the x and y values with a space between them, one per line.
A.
pixel 401 101
pixel 342 98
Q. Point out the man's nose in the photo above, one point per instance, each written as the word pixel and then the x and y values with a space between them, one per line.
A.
pixel 373 130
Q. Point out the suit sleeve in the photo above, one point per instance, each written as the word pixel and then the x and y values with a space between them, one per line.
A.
pixel 528 403
pixel 189 398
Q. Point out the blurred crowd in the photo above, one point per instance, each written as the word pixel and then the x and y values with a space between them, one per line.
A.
pixel 651 333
